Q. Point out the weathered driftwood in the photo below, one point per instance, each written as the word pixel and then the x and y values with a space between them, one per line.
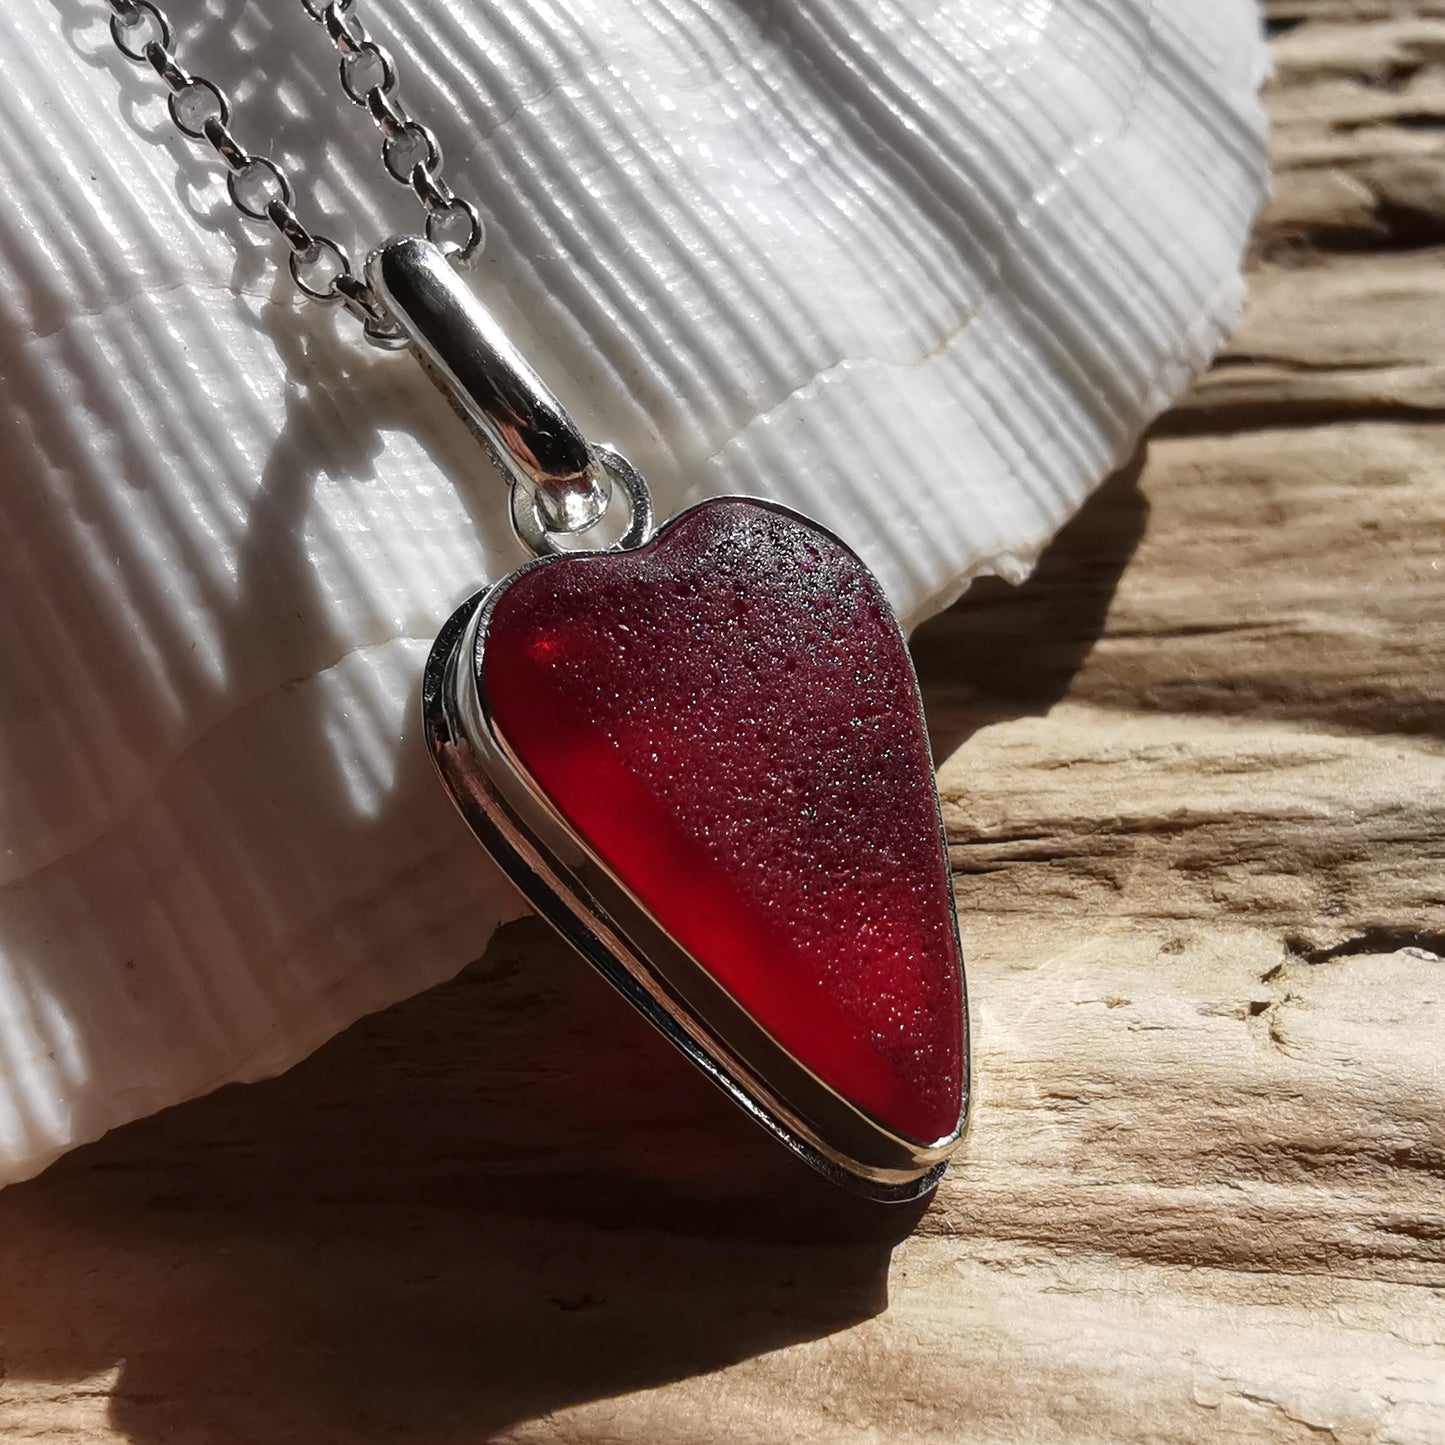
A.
pixel 1194 778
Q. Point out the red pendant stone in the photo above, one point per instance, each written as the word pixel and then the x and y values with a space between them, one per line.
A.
pixel 728 715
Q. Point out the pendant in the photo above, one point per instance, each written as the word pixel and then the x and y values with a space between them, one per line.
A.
pixel 700 753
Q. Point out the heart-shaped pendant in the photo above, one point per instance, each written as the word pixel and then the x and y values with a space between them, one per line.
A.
pixel 701 756
pixel 704 760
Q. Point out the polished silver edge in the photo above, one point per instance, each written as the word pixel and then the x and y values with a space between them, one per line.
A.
pixel 579 896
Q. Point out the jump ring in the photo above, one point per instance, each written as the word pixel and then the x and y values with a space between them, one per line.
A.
pixel 288 223
pixel 146 11
pixel 442 219
pixel 182 103
pixel 243 177
pixel 300 262
pixel 393 148
pixel 345 36
pixel 366 56
pixel 531 529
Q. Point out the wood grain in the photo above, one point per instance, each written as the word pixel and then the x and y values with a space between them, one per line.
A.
pixel 1194 776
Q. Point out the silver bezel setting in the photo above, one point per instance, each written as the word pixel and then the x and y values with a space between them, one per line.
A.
pixel 573 889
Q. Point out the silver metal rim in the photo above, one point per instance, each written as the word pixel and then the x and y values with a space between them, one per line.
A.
pixel 573 889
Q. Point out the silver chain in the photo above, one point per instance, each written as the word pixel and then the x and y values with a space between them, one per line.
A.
pixel 259 188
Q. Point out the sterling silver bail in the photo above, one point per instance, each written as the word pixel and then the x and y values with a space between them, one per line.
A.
pixel 535 443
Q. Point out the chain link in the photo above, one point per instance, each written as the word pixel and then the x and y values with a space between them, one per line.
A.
pixel 409 150
pixel 260 189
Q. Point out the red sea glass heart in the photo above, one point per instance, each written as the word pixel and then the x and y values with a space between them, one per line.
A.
pixel 728 716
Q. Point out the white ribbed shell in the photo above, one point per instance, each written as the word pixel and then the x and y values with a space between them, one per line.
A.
pixel 922 268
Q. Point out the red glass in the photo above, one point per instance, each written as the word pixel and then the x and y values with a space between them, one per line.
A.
pixel 728 715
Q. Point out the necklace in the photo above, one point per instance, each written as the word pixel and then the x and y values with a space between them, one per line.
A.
pixel 697 748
